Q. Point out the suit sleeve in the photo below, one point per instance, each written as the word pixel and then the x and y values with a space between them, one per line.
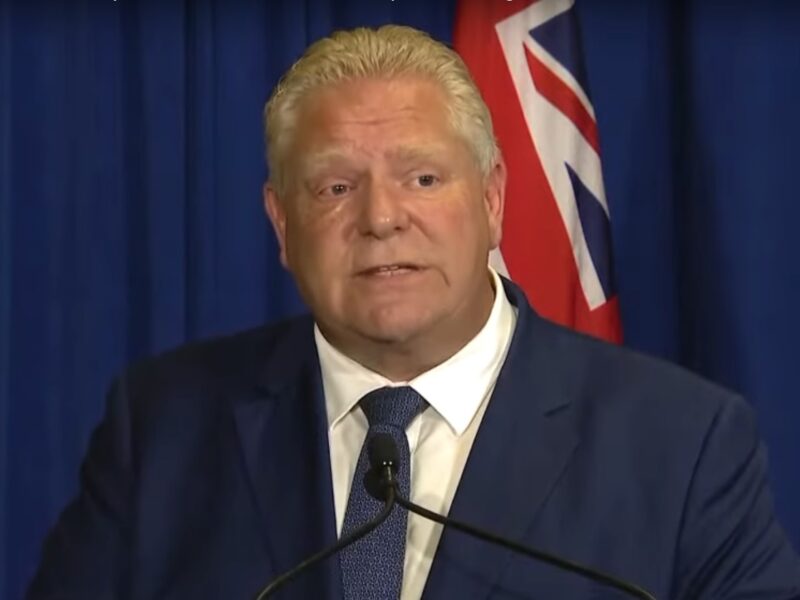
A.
pixel 85 554
pixel 731 545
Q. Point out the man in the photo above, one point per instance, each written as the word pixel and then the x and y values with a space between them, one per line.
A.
pixel 223 464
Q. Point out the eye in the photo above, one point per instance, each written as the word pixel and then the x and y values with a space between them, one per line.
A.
pixel 427 180
pixel 337 189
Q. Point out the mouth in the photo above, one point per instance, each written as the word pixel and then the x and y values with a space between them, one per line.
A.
pixel 390 270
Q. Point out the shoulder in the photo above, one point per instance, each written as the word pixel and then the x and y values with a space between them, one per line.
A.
pixel 654 400
pixel 615 380
pixel 207 370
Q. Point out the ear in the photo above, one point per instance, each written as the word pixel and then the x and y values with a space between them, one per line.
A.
pixel 494 196
pixel 277 216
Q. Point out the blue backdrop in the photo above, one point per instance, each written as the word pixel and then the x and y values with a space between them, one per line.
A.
pixel 130 215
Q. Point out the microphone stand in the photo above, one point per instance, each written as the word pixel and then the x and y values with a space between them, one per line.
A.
pixel 354 536
pixel 381 483
pixel 561 563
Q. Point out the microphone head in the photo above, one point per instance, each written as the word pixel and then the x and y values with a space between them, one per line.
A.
pixel 382 451
pixel 383 460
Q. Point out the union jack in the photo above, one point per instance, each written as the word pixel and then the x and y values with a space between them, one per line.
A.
pixel 526 59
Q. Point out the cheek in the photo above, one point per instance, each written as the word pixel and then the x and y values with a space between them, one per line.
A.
pixel 315 250
pixel 464 230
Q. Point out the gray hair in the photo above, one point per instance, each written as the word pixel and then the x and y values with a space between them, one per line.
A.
pixel 389 51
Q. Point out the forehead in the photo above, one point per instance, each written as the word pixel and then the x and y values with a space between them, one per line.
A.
pixel 399 116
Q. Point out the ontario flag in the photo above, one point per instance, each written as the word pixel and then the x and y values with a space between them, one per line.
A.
pixel 527 61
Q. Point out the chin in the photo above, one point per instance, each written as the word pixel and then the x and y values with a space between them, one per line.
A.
pixel 390 333
pixel 395 328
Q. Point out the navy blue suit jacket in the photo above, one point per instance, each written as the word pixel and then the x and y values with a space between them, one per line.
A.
pixel 210 475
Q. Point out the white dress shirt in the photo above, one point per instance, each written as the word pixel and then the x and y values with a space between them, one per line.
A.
pixel 457 390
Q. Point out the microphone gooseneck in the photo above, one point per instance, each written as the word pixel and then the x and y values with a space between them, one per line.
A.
pixel 389 498
pixel 380 484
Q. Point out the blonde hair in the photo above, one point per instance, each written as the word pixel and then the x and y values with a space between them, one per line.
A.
pixel 389 51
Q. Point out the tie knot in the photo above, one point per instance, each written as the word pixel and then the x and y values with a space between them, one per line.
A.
pixel 394 406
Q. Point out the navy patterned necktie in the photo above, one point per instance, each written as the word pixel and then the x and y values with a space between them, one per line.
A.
pixel 372 568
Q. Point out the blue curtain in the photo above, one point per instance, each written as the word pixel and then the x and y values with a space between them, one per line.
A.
pixel 131 161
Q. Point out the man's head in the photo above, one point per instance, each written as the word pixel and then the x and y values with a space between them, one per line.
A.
pixel 386 194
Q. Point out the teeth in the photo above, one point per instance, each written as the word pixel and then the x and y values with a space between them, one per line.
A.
pixel 392 268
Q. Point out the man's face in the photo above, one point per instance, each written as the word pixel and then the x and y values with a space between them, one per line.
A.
pixel 386 222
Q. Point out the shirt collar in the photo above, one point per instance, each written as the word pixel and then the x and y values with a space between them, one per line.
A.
pixel 454 388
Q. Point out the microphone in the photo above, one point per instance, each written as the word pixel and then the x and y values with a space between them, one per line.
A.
pixel 384 467
pixel 381 484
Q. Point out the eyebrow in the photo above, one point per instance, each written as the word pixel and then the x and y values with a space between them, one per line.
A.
pixel 401 152
pixel 325 156
pixel 412 153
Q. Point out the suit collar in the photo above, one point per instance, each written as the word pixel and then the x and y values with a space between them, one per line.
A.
pixel 525 441
pixel 284 444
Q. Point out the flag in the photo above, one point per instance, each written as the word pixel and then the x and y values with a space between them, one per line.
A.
pixel 527 61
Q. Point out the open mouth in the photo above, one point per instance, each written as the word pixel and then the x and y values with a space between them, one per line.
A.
pixel 390 270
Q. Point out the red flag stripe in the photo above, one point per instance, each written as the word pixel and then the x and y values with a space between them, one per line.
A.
pixel 559 94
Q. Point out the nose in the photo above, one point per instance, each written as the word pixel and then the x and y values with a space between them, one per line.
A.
pixel 382 211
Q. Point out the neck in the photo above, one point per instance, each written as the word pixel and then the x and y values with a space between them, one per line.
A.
pixel 401 361
pixel 399 364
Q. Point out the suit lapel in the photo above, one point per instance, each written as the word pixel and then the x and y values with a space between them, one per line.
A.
pixel 524 443
pixel 282 429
